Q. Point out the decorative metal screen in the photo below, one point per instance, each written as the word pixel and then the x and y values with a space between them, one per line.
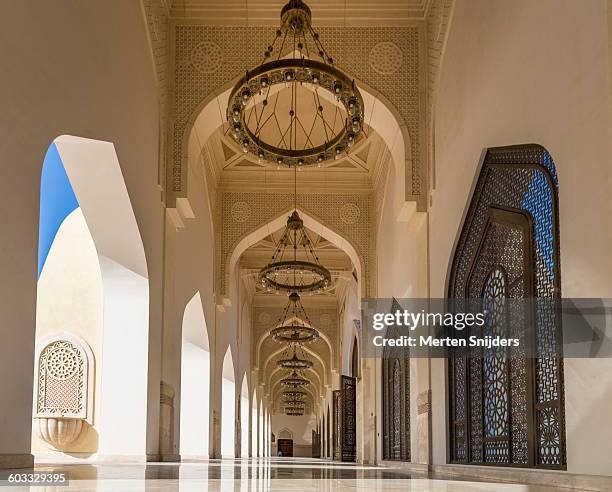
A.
pixel 316 444
pixel 509 411
pixel 396 399
pixel 62 387
pixel 337 430
pixel 348 407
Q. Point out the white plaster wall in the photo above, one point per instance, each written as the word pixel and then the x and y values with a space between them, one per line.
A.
pixel 195 399
pixel 351 313
pixel 260 433
pixel 533 72
pixel 401 249
pixel 254 426
pixel 244 419
pixel 58 86
pixel 69 299
pixel 124 364
pixel 228 407
pixel 244 426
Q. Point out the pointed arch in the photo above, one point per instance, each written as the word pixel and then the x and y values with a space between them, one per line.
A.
pixel 83 178
pixel 380 115
pixel 265 335
pixel 313 223
pixel 244 417
pixel 195 381
pixel 309 371
pixel 228 406
pixel 308 351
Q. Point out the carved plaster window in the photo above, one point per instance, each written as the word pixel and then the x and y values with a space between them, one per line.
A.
pixel 64 378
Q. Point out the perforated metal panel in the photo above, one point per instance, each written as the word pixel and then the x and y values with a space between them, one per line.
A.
pixel 509 411
pixel 396 399
pixel 348 439
pixel 337 429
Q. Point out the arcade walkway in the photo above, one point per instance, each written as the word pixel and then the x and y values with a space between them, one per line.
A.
pixel 278 474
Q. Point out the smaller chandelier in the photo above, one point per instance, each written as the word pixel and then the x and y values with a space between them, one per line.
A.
pixel 295 403
pixel 294 325
pixel 294 395
pixel 295 362
pixel 287 273
pixel 295 380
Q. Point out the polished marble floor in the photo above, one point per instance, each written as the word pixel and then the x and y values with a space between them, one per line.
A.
pixel 256 475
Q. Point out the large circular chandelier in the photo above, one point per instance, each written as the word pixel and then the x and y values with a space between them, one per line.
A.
pixel 294 380
pixel 297 110
pixel 294 266
pixel 294 325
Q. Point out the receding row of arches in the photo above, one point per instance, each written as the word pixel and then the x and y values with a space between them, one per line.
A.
pixel 91 372
pixel 119 274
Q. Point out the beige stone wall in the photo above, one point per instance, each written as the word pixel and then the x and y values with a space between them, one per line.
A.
pixel 533 72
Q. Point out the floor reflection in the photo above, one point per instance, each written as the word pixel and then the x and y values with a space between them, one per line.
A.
pixel 253 475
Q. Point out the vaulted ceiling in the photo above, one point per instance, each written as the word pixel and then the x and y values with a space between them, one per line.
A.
pixel 356 171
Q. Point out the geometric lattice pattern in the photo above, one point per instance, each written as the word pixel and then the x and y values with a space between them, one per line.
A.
pixel 348 442
pixel 508 248
pixel 396 399
pixel 61 388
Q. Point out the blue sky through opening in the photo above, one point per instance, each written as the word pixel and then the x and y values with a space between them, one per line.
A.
pixel 57 201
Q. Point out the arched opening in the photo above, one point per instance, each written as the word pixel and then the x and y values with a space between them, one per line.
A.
pixel 90 288
pixel 244 418
pixel 253 425
pixel 328 435
pixel 268 433
pixel 228 407
pixel 310 222
pixel 381 116
pixel 322 434
pixel 195 381
pixel 266 438
pixel 260 430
